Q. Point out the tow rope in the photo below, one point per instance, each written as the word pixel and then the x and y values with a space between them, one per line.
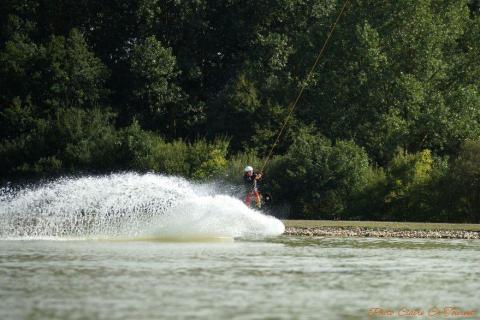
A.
pixel 304 85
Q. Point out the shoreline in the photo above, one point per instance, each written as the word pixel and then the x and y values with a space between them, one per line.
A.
pixel 379 233
pixel 375 229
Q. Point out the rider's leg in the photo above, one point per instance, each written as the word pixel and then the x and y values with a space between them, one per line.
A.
pixel 258 199
pixel 248 199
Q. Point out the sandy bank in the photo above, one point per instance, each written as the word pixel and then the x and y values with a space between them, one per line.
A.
pixel 379 233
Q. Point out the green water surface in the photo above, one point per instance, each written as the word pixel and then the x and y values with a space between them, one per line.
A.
pixel 278 278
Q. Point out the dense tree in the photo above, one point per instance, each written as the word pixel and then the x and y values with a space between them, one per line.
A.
pixel 318 177
pixel 63 72
pixel 391 78
pixel 379 132
pixel 464 179
pixel 154 95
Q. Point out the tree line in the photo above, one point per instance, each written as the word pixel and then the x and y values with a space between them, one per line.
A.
pixel 388 127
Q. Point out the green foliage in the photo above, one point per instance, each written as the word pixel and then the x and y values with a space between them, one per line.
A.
pixel 85 139
pixel 318 177
pixel 72 75
pixel 146 151
pixel 208 160
pixel 48 165
pixel 155 98
pixel 403 62
pixel 73 139
pixel 172 158
pixel 102 85
pixel 369 203
pixel 408 178
pixel 136 147
pixel 239 104
pixel 153 68
pixel 413 187
pixel 23 140
pixel 63 72
pixel 464 180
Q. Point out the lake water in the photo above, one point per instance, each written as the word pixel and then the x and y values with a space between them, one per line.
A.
pixel 271 278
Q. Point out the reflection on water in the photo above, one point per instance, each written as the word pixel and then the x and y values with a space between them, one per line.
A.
pixel 278 278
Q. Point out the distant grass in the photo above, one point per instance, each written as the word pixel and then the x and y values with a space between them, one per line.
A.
pixel 382 225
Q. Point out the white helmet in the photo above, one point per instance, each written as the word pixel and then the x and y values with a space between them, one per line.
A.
pixel 248 168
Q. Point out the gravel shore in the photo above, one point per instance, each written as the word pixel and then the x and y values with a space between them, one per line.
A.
pixel 380 233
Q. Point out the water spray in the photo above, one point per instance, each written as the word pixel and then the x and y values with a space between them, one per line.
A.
pixel 128 206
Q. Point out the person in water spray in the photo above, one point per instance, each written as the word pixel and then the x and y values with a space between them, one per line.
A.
pixel 250 178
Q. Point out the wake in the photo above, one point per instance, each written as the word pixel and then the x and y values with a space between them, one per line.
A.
pixel 128 206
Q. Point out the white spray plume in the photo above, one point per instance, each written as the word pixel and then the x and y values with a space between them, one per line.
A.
pixel 128 205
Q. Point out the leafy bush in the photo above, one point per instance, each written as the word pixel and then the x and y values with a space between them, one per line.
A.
pixel 171 158
pixel 463 184
pixel 87 139
pixel 74 139
pixel 136 148
pixel 319 177
pixel 409 189
pixel 147 151
pixel 369 204
pixel 207 160
pixel 408 177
